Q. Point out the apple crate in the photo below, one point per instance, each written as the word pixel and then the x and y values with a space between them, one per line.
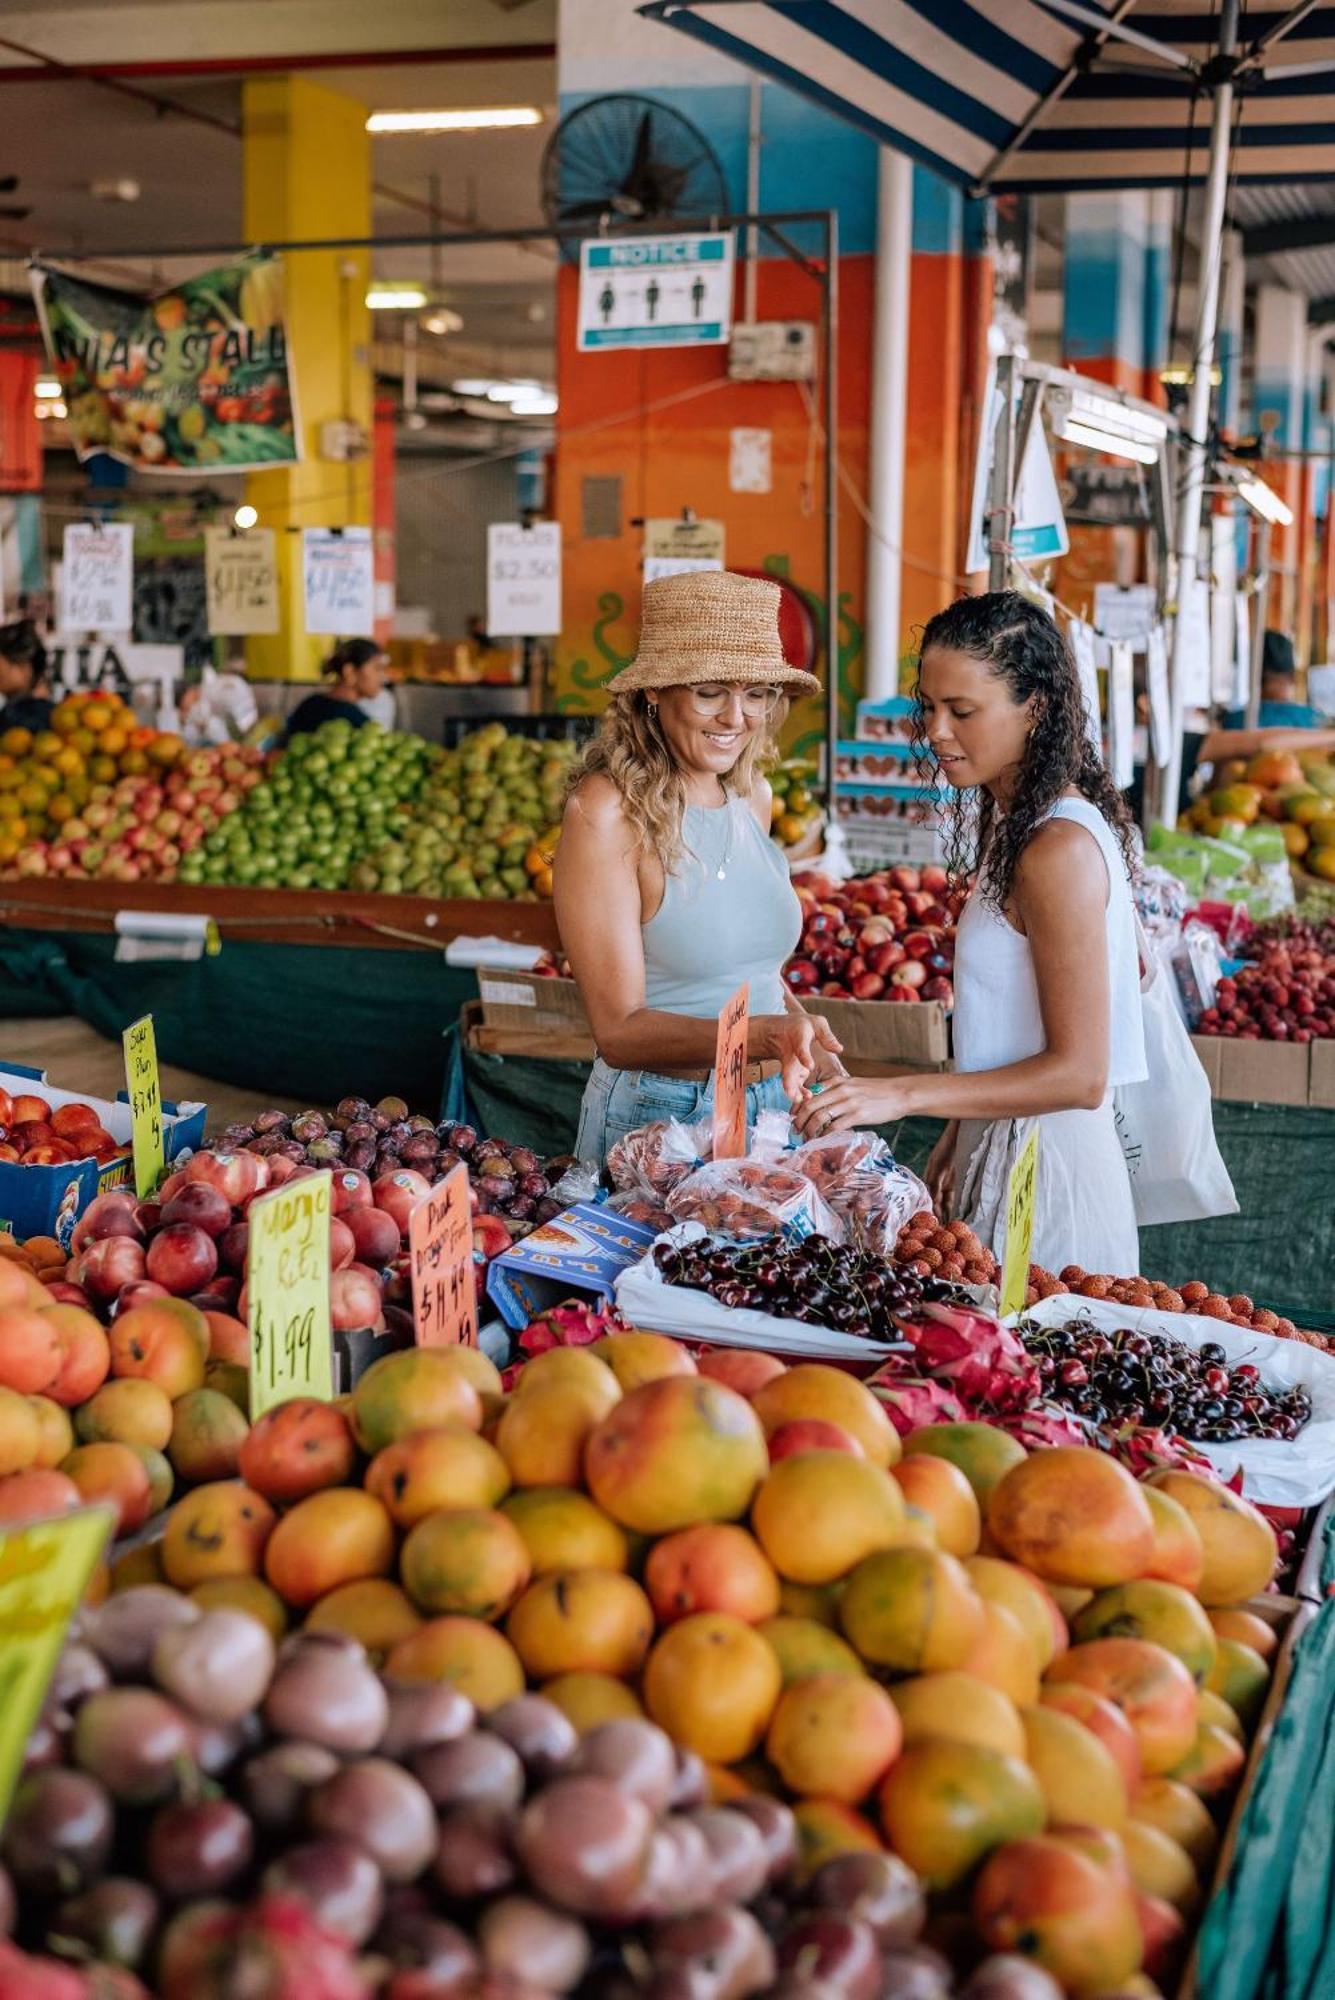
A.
pixel 526 1014
pixel 48 1201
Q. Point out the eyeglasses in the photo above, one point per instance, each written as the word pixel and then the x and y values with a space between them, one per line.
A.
pixel 711 698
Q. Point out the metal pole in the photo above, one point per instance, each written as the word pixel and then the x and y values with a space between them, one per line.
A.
pixel 1260 612
pixel 889 408
pixel 831 398
pixel 1001 480
pixel 1198 408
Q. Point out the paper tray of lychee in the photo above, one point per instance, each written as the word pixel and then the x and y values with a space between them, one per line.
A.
pixel 1249 1402
pixel 699 1286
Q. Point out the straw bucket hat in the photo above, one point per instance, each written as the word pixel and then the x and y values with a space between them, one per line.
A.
pixel 711 625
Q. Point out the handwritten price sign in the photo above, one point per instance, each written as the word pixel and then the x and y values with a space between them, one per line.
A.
pixel 1021 1194
pixel 44 1571
pixel 730 1078
pixel 145 1093
pixel 287 1294
pixel 440 1249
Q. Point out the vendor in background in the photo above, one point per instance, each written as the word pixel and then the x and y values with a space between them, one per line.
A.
pixel 669 892
pixel 220 708
pixel 354 673
pixel 1280 707
pixel 1047 975
pixel 27 700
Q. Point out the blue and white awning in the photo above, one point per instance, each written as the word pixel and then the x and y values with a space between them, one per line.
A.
pixel 1027 95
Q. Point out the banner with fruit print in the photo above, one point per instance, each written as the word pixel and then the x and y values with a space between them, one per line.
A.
pixel 189 379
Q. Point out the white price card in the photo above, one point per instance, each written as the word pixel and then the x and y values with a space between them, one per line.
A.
pixel 97 577
pixel 338 576
pixel 523 579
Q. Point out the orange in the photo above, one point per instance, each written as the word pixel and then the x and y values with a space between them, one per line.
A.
pixel 834 1736
pixel 562 1529
pixel 713 1567
pixel 581 1621
pixel 333 1537
pixel 1075 1516
pixel 819 1514
pixel 946 1805
pixel 960 1708
pixel 467 1560
pixel 943 1493
pixel 475 1658
pixel 712 1683
pixel 913 1610
pixel 675 1452
pixel 810 1389
pixel 1238 1542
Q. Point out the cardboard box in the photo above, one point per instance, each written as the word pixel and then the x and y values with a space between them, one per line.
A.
pixel 1321 1075
pixel 885 721
pixel 527 1001
pixel 48 1201
pixel 879 1033
pixel 579 1253
pixel 1256 1072
pixel 889 762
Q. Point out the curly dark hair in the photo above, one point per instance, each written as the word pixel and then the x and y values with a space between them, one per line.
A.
pixel 1023 646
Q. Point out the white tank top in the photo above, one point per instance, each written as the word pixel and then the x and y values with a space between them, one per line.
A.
pixel 997 1018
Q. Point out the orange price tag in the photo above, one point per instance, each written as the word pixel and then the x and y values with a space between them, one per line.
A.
pixel 440 1247
pixel 730 1078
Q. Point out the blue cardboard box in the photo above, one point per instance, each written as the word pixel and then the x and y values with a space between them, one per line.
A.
pixel 579 1253
pixel 48 1201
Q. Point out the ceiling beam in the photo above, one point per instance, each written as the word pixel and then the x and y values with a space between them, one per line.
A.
pixel 1300 232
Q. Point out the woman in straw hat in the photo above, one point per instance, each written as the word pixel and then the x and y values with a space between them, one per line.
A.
pixel 669 892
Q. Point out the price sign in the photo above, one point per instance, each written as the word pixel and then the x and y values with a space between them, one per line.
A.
pixel 241 581
pixel 145 1091
pixel 287 1293
pixel 44 1571
pixel 523 579
pixel 338 580
pixel 1021 1190
pixel 97 577
pixel 730 1078
pixel 440 1247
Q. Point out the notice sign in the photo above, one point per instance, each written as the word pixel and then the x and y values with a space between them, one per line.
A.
pixel 655 291
pixel 241 582
pixel 97 577
pixel 440 1250
pixel 1038 523
pixel 676 548
pixel 1021 1194
pixel 287 1294
pixel 145 1093
pixel 338 581
pixel 730 1078
pixel 44 1571
pixel 523 579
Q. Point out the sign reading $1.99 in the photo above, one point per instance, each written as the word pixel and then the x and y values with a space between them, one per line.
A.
pixel 287 1293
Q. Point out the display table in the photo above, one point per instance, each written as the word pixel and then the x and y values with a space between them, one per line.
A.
pixel 1279 1248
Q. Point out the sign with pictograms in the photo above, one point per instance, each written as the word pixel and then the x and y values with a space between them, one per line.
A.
pixel 655 291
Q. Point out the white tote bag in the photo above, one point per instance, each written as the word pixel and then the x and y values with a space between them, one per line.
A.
pixel 1165 1122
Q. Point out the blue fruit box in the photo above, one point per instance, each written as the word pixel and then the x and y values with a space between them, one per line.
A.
pixel 579 1253
pixel 48 1201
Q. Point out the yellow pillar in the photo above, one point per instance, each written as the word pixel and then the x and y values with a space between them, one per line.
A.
pixel 306 170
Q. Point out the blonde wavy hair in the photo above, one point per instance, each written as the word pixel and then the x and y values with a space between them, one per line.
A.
pixel 631 749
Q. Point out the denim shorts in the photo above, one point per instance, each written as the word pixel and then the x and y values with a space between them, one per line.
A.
pixel 617 1101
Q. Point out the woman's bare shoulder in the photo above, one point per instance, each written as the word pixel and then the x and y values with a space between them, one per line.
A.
pixel 597 804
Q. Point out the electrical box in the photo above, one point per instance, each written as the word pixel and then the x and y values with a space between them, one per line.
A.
pixel 773 350
pixel 342 440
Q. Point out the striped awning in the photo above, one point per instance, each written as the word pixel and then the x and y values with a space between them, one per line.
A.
pixel 1027 95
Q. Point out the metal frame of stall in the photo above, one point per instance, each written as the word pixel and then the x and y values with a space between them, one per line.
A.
pixel 777 224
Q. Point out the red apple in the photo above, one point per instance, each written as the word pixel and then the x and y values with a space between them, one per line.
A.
pixel 354 1300
pixel 918 944
pixel 939 989
pixel 140 1293
pixel 71 1119
pixel 883 958
pixel 108 1265
pixel 399 1193
pixel 911 973
pixel 491 1238
pixel 111 1214
pixel 869 986
pixel 935 880
pixel 352 1189
pixel 905 879
pixel 374 1233
pixel 342 1244
pixel 893 992
pixel 200 1204
pixel 29 1132
pixel 171 1186
pixel 182 1258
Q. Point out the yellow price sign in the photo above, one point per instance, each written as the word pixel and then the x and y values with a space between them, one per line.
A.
pixel 1021 1192
pixel 44 1571
pixel 287 1293
pixel 145 1093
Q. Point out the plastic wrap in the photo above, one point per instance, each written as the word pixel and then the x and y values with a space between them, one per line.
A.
pixel 754 1197
pixel 653 1159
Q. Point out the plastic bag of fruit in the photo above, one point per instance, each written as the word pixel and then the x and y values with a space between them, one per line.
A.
pixel 655 1158
pixel 754 1197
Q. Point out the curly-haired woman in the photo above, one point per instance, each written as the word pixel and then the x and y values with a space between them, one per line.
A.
pixel 669 892
pixel 1047 976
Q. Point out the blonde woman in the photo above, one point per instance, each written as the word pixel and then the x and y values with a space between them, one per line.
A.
pixel 669 892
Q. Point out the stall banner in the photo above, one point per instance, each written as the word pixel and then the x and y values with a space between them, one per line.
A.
pixel 338 582
pixel 191 379
pixel 241 580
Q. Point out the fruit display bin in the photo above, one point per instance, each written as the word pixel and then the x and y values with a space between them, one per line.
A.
pixel 48 1200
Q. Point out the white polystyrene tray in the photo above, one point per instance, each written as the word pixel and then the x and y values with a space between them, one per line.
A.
pixel 1300 1472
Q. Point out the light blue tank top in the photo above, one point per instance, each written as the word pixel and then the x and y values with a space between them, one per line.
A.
pixel 708 935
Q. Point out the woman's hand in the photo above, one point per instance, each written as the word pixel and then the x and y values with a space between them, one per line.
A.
pixel 852 1104
pixel 803 1044
pixel 939 1173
